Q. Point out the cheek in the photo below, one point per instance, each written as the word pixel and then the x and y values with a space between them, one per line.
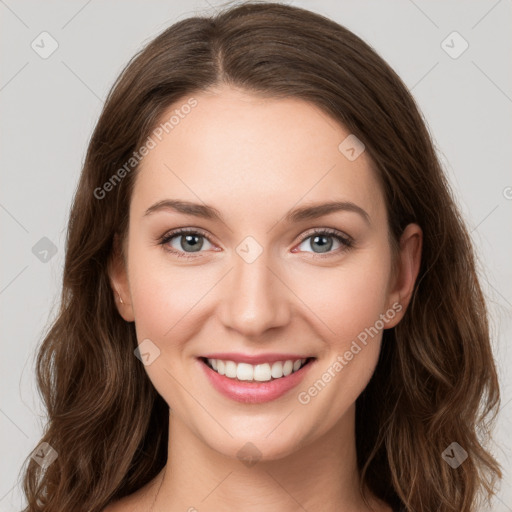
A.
pixel 166 304
pixel 164 296
pixel 349 298
pixel 348 302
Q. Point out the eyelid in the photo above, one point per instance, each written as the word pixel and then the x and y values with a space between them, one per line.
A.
pixel 168 235
pixel 327 231
pixel 345 240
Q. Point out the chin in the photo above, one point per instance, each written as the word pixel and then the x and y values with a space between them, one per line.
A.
pixel 250 449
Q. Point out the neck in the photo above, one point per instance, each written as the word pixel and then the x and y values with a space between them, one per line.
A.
pixel 321 475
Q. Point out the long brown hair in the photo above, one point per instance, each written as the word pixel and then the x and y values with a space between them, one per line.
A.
pixel 435 383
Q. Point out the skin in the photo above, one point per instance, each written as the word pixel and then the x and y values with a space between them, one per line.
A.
pixel 254 159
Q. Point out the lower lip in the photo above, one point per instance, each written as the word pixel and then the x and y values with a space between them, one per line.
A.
pixel 254 392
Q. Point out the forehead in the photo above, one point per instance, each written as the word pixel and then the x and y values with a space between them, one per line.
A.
pixel 236 150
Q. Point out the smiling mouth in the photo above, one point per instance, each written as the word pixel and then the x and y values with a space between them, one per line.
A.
pixel 264 372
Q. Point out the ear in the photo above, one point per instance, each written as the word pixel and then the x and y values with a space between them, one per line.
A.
pixel 118 275
pixel 408 266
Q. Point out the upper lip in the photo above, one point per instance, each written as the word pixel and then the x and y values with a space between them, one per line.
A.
pixel 254 358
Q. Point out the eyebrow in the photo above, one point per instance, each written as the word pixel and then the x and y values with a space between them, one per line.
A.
pixel 297 215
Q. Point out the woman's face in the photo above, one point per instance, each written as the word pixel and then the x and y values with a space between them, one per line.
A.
pixel 258 280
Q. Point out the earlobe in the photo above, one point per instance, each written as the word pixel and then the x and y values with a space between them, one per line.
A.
pixel 408 267
pixel 118 276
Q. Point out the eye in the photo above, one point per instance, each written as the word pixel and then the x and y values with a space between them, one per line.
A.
pixel 184 242
pixel 322 242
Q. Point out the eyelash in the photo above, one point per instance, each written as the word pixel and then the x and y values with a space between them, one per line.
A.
pixel 346 241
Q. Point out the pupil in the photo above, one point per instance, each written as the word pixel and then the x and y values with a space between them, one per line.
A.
pixel 323 246
pixel 195 245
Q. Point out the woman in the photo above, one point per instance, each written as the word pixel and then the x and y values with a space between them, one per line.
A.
pixel 270 299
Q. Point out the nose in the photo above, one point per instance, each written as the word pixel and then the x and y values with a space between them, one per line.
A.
pixel 254 298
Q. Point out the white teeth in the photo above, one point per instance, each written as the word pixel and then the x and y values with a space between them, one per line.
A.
pixel 230 369
pixel 287 368
pixel 277 370
pixel 262 372
pixel 244 371
pixel 259 372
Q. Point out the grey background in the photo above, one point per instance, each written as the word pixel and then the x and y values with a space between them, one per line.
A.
pixel 48 108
